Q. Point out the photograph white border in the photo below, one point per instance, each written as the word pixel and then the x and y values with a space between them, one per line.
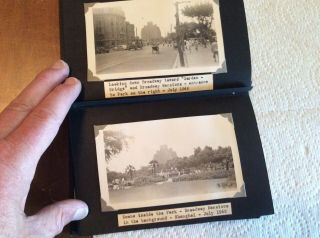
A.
pixel 91 56
pixel 103 180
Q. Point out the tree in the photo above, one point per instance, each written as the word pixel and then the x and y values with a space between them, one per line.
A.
pixel 197 151
pixel 112 175
pixel 189 30
pixel 171 37
pixel 229 158
pixel 206 155
pixel 154 164
pixel 130 170
pixel 203 13
pixel 114 143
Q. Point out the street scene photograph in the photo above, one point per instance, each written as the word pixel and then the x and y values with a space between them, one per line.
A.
pixel 168 161
pixel 172 37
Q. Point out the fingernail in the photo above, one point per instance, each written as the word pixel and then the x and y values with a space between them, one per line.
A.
pixel 71 81
pixel 80 213
pixel 60 64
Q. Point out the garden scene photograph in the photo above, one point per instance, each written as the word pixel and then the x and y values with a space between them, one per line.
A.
pixel 166 161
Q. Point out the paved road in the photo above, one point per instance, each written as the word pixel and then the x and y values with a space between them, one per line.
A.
pixel 139 60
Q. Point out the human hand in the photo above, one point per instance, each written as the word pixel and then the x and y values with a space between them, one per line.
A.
pixel 27 127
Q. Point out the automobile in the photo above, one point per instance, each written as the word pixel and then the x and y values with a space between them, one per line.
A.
pixel 102 50
pixel 135 45
pixel 119 47
pixel 123 47
pixel 114 48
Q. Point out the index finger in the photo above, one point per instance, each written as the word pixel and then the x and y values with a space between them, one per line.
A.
pixel 35 134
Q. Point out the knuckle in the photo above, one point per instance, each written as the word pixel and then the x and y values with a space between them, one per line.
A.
pixel 59 222
pixel 47 115
pixel 19 106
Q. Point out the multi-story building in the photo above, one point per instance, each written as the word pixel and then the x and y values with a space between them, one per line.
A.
pixel 130 33
pixel 150 33
pixel 111 28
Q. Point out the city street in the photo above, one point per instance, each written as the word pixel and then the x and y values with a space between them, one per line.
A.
pixel 136 60
pixel 144 60
pixel 178 30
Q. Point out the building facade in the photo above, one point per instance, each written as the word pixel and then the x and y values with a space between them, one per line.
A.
pixel 110 27
pixel 150 33
pixel 130 33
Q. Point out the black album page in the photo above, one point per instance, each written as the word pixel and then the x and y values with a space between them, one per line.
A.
pixel 155 164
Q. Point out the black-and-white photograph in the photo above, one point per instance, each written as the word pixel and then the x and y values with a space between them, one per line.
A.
pixel 142 38
pixel 169 161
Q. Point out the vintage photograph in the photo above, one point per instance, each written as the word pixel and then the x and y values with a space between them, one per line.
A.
pixel 142 38
pixel 169 161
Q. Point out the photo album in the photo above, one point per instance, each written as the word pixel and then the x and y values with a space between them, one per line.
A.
pixel 163 132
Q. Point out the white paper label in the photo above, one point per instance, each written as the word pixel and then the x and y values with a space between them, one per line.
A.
pixel 176 214
pixel 153 86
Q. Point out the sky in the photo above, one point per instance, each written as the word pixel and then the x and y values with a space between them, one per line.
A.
pixel 160 12
pixel 181 134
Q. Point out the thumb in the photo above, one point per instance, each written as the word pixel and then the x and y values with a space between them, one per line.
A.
pixel 51 220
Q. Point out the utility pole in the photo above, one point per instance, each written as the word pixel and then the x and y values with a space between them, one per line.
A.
pixel 179 35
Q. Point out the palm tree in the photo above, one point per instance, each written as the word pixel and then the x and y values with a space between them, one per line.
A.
pixel 154 164
pixel 130 170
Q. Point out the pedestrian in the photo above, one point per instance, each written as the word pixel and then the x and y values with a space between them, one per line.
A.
pixel 196 44
pixel 214 50
pixel 188 46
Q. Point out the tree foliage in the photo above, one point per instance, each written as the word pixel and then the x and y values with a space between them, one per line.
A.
pixel 204 159
pixel 189 30
pixel 130 170
pixel 154 164
pixel 112 175
pixel 114 143
pixel 203 13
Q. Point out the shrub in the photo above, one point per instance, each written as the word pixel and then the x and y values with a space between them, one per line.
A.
pixel 204 175
pixel 145 180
